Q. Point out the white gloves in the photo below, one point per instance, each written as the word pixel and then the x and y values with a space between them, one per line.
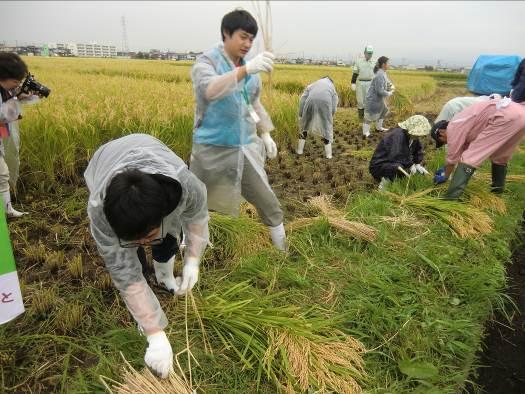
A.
pixel 390 93
pixel 421 169
pixel 190 276
pixel 353 87
pixel 269 144
pixel 418 168
pixel 159 356
pixel 263 62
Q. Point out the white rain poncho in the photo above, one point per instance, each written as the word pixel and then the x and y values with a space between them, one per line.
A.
pixel 456 105
pixel 147 154
pixel 10 111
pixel 317 107
pixel 225 134
pixel 375 106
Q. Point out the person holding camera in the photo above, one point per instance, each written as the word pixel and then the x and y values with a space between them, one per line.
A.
pixel 13 92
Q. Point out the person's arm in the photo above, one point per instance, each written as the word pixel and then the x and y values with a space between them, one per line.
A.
pixel 212 86
pixel 381 86
pixel 419 153
pixel 302 100
pixel 265 124
pixel 335 101
pixel 126 273
pixel 9 111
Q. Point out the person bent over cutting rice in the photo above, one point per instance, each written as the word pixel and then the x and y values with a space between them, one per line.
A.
pixel 227 154
pixel 317 108
pixel 400 151
pixel 486 130
pixel 142 194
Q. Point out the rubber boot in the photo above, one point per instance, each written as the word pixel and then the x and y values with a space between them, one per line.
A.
pixel 459 181
pixel 278 237
pixel 361 113
pixel 328 151
pixel 499 173
pixel 164 274
pixel 300 146
pixel 379 125
pixel 9 210
pixel 366 130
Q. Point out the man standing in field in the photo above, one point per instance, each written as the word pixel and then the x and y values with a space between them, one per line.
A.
pixel 142 194
pixel 317 108
pixel 490 129
pixel 227 154
pixel 362 75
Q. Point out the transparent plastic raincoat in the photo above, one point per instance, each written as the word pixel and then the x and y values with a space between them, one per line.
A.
pixel 10 111
pixel 317 108
pixel 225 131
pixel 147 154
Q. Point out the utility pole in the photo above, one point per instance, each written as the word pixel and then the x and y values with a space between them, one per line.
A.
pixel 125 47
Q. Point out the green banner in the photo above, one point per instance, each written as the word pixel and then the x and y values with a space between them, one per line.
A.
pixel 7 260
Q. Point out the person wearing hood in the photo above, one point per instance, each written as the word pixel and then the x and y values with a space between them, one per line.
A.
pixel 375 105
pixel 317 108
pixel 400 151
pixel 490 129
pixel 458 104
pixel 13 70
pixel 362 74
pixel 227 154
pixel 142 194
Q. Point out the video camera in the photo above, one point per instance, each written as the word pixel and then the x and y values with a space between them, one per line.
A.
pixel 31 85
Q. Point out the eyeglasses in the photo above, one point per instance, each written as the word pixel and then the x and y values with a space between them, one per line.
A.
pixel 153 242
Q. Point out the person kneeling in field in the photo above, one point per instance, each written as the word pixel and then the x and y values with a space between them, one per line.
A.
pixel 316 113
pixel 486 130
pixel 142 194
pixel 400 152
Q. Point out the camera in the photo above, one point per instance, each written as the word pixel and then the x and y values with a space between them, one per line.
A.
pixel 31 85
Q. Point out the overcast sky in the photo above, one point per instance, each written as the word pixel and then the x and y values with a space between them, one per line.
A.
pixel 418 32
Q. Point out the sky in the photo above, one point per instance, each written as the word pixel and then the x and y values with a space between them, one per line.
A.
pixel 408 32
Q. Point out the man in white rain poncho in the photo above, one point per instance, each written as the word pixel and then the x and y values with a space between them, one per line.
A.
pixel 379 90
pixel 316 113
pixel 362 75
pixel 142 194
pixel 227 154
pixel 12 71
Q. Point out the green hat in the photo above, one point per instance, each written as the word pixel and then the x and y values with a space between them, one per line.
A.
pixel 369 49
pixel 416 125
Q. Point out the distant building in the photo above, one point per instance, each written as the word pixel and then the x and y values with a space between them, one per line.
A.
pixel 82 50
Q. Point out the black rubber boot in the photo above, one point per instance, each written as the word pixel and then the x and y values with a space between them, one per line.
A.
pixel 459 181
pixel 361 113
pixel 499 173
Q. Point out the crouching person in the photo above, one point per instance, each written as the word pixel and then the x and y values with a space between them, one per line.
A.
pixel 142 194
pixel 400 151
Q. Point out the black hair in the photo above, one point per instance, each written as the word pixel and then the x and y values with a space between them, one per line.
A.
pixel 434 131
pixel 136 202
pixel 12 66
pixel 382 60
pixel 520 73
pixel 238 19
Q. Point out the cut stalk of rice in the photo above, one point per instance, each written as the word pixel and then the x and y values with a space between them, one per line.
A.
pixel 295 349
pixel 481 197
pixel 463 220
pixel 135 382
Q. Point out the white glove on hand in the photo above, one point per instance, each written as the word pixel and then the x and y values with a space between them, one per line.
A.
pixel 159 356
pixel 263 62
pixel 413 169
pixel 390 93
pixel 269 144
pixel 190 275
pixel 353 87
pixel 421 169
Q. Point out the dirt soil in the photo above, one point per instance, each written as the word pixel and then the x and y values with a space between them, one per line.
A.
pixel 503 360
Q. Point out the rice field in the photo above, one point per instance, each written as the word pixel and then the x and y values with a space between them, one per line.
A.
pixel 380 292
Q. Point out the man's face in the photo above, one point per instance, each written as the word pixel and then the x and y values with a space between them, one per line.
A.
pixel 239 43
pixel 368 55
pixel 9 84
pixel 152 235
pixel 442 135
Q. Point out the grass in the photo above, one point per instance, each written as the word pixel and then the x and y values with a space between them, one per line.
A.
pixel 415 297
